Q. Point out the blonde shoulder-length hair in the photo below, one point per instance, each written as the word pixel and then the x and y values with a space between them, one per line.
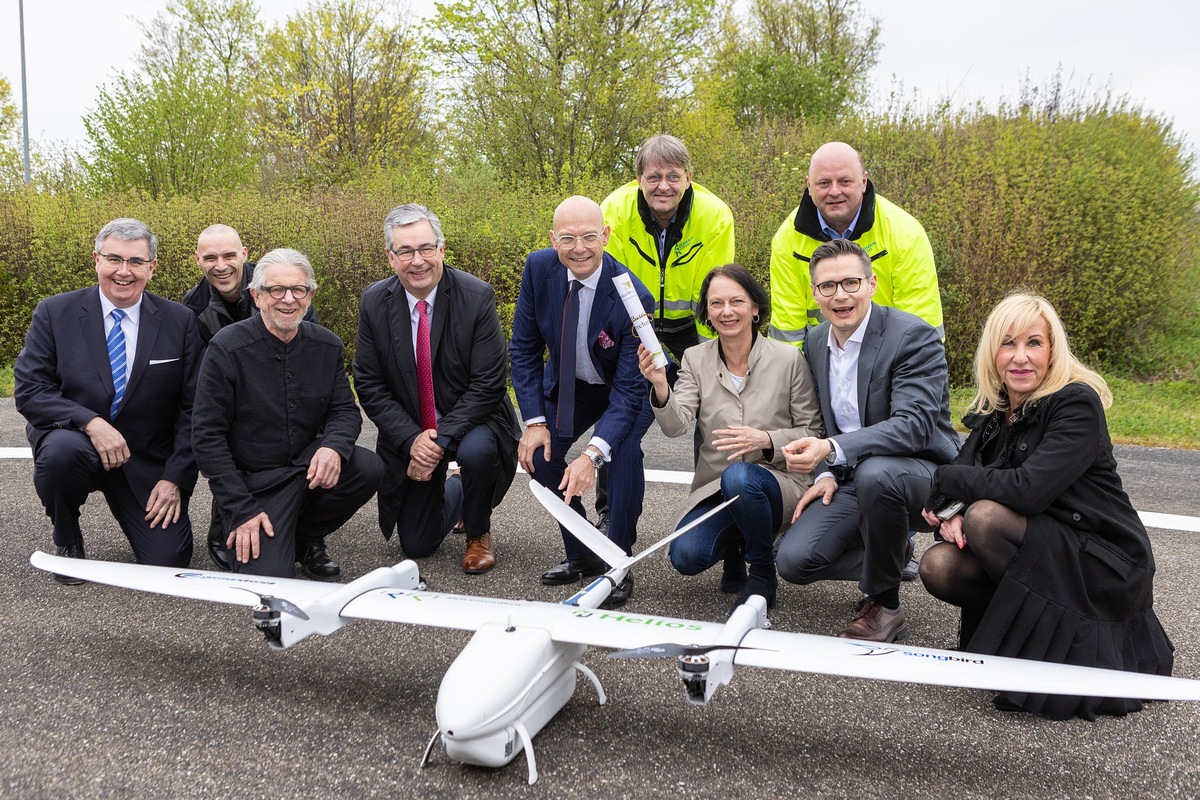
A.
pixel 1012 316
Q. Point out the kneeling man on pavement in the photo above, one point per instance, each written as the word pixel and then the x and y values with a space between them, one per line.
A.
pixel 881 378
pixel 275 426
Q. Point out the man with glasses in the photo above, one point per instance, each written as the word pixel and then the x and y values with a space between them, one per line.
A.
pixel 669 232
pixel 222 296
pixel 275 426
pixel 106 382
pixel 881 379
pixel 429 369
pixel 574 365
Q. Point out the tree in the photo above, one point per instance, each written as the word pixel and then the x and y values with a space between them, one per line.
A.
pixel 555 90
pixel 180 123
pixel 342 92
pixel 793 59
pixel 11 170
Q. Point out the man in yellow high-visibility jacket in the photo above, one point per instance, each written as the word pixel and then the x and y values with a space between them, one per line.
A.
pixel 840 203
pixel 669 232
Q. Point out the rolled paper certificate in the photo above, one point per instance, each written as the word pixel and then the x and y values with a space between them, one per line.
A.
pixel 643 325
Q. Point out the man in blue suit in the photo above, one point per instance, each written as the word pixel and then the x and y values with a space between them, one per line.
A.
pixel 591 377
pixel 106 381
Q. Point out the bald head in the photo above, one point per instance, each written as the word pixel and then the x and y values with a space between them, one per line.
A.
pixel 219 252
pixel 837 181
pixel 579 235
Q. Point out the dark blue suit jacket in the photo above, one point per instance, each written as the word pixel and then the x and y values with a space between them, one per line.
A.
pixel 63 380
pixel 537 328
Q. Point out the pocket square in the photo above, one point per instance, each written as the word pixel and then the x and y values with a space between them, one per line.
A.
pixel 606 340
pixel 154 361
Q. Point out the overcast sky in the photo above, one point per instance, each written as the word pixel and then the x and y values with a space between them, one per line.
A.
pixel 966 50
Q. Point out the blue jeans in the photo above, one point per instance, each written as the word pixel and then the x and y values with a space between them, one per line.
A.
pixel 750 522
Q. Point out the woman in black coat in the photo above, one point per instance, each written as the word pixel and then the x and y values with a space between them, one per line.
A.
pixel 1042 549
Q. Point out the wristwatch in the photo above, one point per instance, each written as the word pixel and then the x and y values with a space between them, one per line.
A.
pixel 596 457
pixel 832 457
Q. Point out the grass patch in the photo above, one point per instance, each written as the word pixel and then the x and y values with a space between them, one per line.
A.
pixel 6 380
pixel 1159 414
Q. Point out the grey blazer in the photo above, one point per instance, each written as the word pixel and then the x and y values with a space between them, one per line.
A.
pixel 903 390
pixel 777 397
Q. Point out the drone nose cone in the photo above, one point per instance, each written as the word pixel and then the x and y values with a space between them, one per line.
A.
pixel 493 680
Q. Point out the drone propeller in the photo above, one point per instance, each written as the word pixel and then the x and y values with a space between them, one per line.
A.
pixel 275 604
pixel 671 650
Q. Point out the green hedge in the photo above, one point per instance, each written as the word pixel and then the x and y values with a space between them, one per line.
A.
pixel 1093 208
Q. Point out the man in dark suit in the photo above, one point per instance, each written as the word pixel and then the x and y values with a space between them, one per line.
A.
pixel 106 381
pixel 881 378
pixel 568 307
pixel 435 328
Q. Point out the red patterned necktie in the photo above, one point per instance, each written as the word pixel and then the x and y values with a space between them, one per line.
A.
pixel 425 368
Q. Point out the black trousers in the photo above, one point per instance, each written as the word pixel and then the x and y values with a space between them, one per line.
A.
pixel 300 515
pixel 429 509
pixel 67 468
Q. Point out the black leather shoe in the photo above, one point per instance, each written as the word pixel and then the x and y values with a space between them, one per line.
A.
pixel 572 571
pixel 620 594
pixel 911 565
pixel 602 522
pixel 218 554
pixel 316 564
pixel 70 551
pixel 1002 703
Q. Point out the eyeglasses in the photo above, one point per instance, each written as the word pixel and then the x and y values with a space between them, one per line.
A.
pixel 406 254
pixel 116 261
pixel 672 178
pixel 829 288
pixel 568 241
pixel 279 292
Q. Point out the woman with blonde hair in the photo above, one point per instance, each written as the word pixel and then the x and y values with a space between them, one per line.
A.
pixel 1041 547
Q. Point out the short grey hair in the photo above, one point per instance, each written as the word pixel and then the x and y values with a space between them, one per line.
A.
pixel 410 214
pixel 126 229
pixel 663 149
pixel 283 255
pixel 839 247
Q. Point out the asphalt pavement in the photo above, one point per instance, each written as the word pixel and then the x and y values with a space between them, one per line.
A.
pixel 106 692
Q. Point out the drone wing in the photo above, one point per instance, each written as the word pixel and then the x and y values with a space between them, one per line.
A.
pixel 196 584
pixel 827 655
pixel 564 623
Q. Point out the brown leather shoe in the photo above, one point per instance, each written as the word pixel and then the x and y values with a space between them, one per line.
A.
pixel 480 557
pixel 876 624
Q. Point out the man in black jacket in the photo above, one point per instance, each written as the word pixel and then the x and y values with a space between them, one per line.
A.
pixel 275 429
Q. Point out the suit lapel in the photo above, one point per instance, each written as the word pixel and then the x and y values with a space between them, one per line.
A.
pixel 149 324
pixel 445 296
pixel 400 322
pixel 91 324
pixel 868 356
pixel 818 358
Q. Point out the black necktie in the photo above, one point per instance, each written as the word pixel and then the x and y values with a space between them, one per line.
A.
pixel 566 363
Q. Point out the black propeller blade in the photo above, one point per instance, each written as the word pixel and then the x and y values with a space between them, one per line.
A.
pixel 276 603
pixel 671 650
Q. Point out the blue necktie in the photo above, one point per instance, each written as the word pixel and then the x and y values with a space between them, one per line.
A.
pixel 116 358
pixel 566 363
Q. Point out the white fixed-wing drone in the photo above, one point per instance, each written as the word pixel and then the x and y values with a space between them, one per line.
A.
pixel 532 649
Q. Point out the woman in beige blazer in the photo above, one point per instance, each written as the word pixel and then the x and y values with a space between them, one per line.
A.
pixel 749 396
